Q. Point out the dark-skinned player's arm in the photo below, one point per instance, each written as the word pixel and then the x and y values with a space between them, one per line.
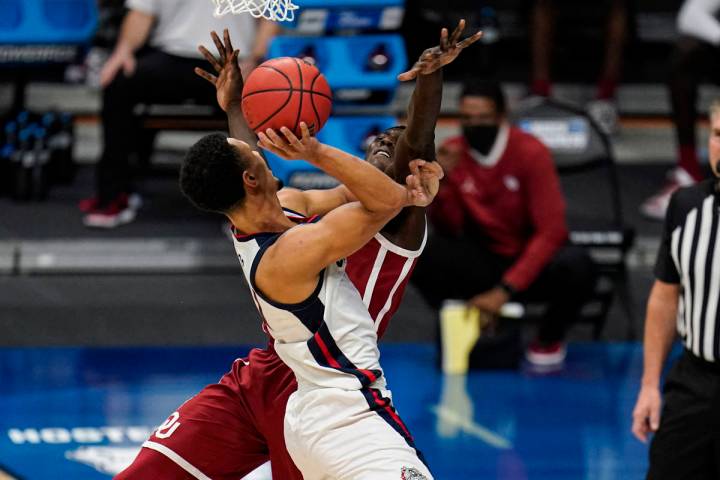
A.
pixel 301 253
pixel 418 139
pixel 228 82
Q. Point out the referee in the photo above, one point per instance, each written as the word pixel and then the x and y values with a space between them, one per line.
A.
pixel 685 298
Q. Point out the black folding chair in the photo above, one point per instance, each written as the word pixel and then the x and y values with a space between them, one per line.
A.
pixel 586 165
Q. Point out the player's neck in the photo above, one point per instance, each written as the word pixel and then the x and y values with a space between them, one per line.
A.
pixel 260 215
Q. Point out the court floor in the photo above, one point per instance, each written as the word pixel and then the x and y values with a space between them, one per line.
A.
pixel 81 413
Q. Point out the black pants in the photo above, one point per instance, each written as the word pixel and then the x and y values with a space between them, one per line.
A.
pixel 460 268
pixel 691 62
pixel 687 445
pixel 159 78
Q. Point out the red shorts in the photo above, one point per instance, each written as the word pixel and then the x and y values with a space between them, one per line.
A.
pixel 227 430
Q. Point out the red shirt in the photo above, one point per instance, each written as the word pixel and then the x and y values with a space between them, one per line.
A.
pixel 512 197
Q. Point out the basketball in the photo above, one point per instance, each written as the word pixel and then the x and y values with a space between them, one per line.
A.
pixel 283 92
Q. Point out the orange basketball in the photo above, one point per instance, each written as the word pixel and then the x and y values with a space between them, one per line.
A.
pixel 283 92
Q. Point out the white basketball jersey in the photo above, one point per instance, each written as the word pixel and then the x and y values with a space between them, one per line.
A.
pixel 328 340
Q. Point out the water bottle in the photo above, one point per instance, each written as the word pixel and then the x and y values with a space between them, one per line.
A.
pixel 22 158
pixel 40 179
pixel 23 118
pixel 62 144
pixel 50 121
pixel 6 153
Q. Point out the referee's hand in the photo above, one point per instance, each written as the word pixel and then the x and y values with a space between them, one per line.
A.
pixel 646 415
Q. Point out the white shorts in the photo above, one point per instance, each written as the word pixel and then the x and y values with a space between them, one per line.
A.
pixel 350 435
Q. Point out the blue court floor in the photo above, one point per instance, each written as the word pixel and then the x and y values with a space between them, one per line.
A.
pixel 82 413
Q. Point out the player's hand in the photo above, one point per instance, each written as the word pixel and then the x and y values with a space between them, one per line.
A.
pixel 423 182
pixel 646 415
pixel 229 80
pixel 429 174
pixel 490 301
pixel 121 59
pixel 435 58
pixel 288 146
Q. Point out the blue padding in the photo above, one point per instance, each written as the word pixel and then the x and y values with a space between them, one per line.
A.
pixel 338 4
pixel 47 21
pixel 345 133
pixel 342 59
pixel 318 16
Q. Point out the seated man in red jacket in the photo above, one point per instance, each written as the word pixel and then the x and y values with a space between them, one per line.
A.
pixel 499 225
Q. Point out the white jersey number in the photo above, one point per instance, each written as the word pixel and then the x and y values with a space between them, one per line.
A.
pixel 169 426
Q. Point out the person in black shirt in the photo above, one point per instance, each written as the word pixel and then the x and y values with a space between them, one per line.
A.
pixel 685 298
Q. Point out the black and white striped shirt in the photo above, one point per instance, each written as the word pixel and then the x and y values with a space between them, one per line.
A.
pixel 690 256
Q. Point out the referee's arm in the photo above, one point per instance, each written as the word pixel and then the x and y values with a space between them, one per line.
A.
pixel 660 329
pixel 659 335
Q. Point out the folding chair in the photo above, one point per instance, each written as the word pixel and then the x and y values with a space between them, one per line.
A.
pixel 585 162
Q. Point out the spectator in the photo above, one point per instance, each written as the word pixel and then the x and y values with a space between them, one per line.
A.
pixel 695 58
pixel 500 231
pixel 543 19
pixel 684 299
pixel 153 62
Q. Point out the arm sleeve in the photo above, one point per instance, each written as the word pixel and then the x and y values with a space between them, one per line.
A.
pixel 665 268
pixel 150 7
pixel 547 212
pixel 697 19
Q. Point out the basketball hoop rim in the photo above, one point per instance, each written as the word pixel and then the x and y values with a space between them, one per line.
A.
pixel 274 10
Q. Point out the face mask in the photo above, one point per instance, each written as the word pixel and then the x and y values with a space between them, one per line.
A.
pixel 481 137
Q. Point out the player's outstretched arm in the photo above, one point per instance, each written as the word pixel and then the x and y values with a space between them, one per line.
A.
pixel 375 190
pixel 229 86
pixel 301 253
pixel 418 139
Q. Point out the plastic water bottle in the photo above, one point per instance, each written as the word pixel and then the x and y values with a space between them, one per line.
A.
pixel 6 154
pixel 40 180
pixel 22 158
pixel 23 118
pixel 61 142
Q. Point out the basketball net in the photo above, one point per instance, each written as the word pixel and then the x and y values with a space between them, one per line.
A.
pixel 275 10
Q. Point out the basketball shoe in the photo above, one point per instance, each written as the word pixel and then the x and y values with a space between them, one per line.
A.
pixel 656 206
pixel 546 355
pixel 120 211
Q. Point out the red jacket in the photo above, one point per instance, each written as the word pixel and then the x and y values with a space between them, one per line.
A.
pixel 513 197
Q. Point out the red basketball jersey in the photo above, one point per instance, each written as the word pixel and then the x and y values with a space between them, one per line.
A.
pixel 380 271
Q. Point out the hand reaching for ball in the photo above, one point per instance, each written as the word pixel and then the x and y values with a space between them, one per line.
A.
pixel 229 79
pixel 435 58
pixel 290 147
